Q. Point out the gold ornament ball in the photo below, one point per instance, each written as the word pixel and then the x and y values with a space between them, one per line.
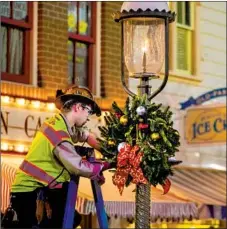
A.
pixel 111 143
pixel 155 136
pixel 123 120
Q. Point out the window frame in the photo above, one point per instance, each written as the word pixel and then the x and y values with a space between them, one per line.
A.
pixel 190 31
pixel 180 75
pixel 88 40
pixel 24 78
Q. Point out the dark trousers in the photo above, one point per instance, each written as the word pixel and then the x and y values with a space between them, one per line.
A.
pixel 24 203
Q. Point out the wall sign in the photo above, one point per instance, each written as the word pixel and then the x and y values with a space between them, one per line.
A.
pixel 19 125
pixel 203 98
pixel 206 125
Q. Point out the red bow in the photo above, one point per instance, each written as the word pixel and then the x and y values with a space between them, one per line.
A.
pixel 128 163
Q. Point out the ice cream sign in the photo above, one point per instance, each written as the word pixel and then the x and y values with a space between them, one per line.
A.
pixel 206 125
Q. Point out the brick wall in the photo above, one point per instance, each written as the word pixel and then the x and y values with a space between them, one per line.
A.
pixel 52 45
pixel 111 53
pixel 52 55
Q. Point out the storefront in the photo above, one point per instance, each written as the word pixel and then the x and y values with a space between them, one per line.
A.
pixel 20 119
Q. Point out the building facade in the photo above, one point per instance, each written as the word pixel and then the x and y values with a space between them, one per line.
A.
pixel 197 66
pixel 47 46
pixel 52 34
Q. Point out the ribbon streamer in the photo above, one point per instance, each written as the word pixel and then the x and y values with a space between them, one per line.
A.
pixel 128 163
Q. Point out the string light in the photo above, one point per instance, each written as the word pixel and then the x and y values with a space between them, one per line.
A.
pixel 5 99
pixel 36 104
pixel 21 102
pixel 26 102
pixel 51 106
pixel 11 147
pixel 19 148
pixel 16 148
pixel 4 146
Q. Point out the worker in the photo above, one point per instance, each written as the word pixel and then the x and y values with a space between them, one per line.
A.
pixel 39 190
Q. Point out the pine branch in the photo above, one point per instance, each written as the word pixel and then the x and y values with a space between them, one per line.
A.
pixel 116 108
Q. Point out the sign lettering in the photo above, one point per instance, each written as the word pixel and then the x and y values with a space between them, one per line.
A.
pixel 4 121
pixel 21 124
pixel 24 126
pixel 204 125
pixel 203 98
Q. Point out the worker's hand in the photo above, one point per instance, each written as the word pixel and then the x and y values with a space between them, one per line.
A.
pixel 84 151
pixel 97 173
pixel 107 165
pixel 101 179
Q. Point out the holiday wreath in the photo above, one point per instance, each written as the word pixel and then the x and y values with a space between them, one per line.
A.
pixel 140 140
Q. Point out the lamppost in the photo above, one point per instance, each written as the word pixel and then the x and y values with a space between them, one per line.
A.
pixel 145 48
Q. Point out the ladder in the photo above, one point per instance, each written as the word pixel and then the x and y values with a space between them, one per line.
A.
pixel 72 197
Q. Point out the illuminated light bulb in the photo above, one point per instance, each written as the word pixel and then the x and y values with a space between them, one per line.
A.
pixel 5 99
pixel 36 104
pixel 145 47
pixel 197 154
pixel 21 102
pixel 51 106
pixel 20 148
pixel 4 146
pixel 11 147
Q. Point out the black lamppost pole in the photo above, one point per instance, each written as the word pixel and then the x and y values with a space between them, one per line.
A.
pixel 145 47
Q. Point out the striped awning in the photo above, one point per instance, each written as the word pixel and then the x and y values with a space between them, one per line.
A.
pixel 189 186
pixel 199 185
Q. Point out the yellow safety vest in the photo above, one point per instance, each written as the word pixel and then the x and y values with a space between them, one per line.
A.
pixel 40 166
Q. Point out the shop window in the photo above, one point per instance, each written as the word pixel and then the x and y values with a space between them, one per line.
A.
pixel 16 27
pixel 184 37
pixel 81 42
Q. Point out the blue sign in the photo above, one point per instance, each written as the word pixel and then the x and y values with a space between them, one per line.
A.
pixel 204 97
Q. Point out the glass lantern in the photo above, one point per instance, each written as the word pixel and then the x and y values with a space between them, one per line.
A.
pixel 144 45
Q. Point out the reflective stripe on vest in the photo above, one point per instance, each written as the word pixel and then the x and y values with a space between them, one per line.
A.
pixel 55 137
pixel 39 174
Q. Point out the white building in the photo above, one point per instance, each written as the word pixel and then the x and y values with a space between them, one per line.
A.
pixel 197 66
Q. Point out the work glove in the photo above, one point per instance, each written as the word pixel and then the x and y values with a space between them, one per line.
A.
pixel 105 164
pixel 84 151
pixel 108 165
pixel 97 171
pixel 101 166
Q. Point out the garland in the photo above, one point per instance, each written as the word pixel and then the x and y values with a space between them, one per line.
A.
pixel 141 141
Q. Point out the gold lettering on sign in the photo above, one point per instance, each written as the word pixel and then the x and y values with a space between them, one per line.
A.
pixel 5 122
pixel 26 125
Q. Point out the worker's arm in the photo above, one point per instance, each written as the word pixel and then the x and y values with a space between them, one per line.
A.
pixel 74 163
pixel 90 138
pixel 92 141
